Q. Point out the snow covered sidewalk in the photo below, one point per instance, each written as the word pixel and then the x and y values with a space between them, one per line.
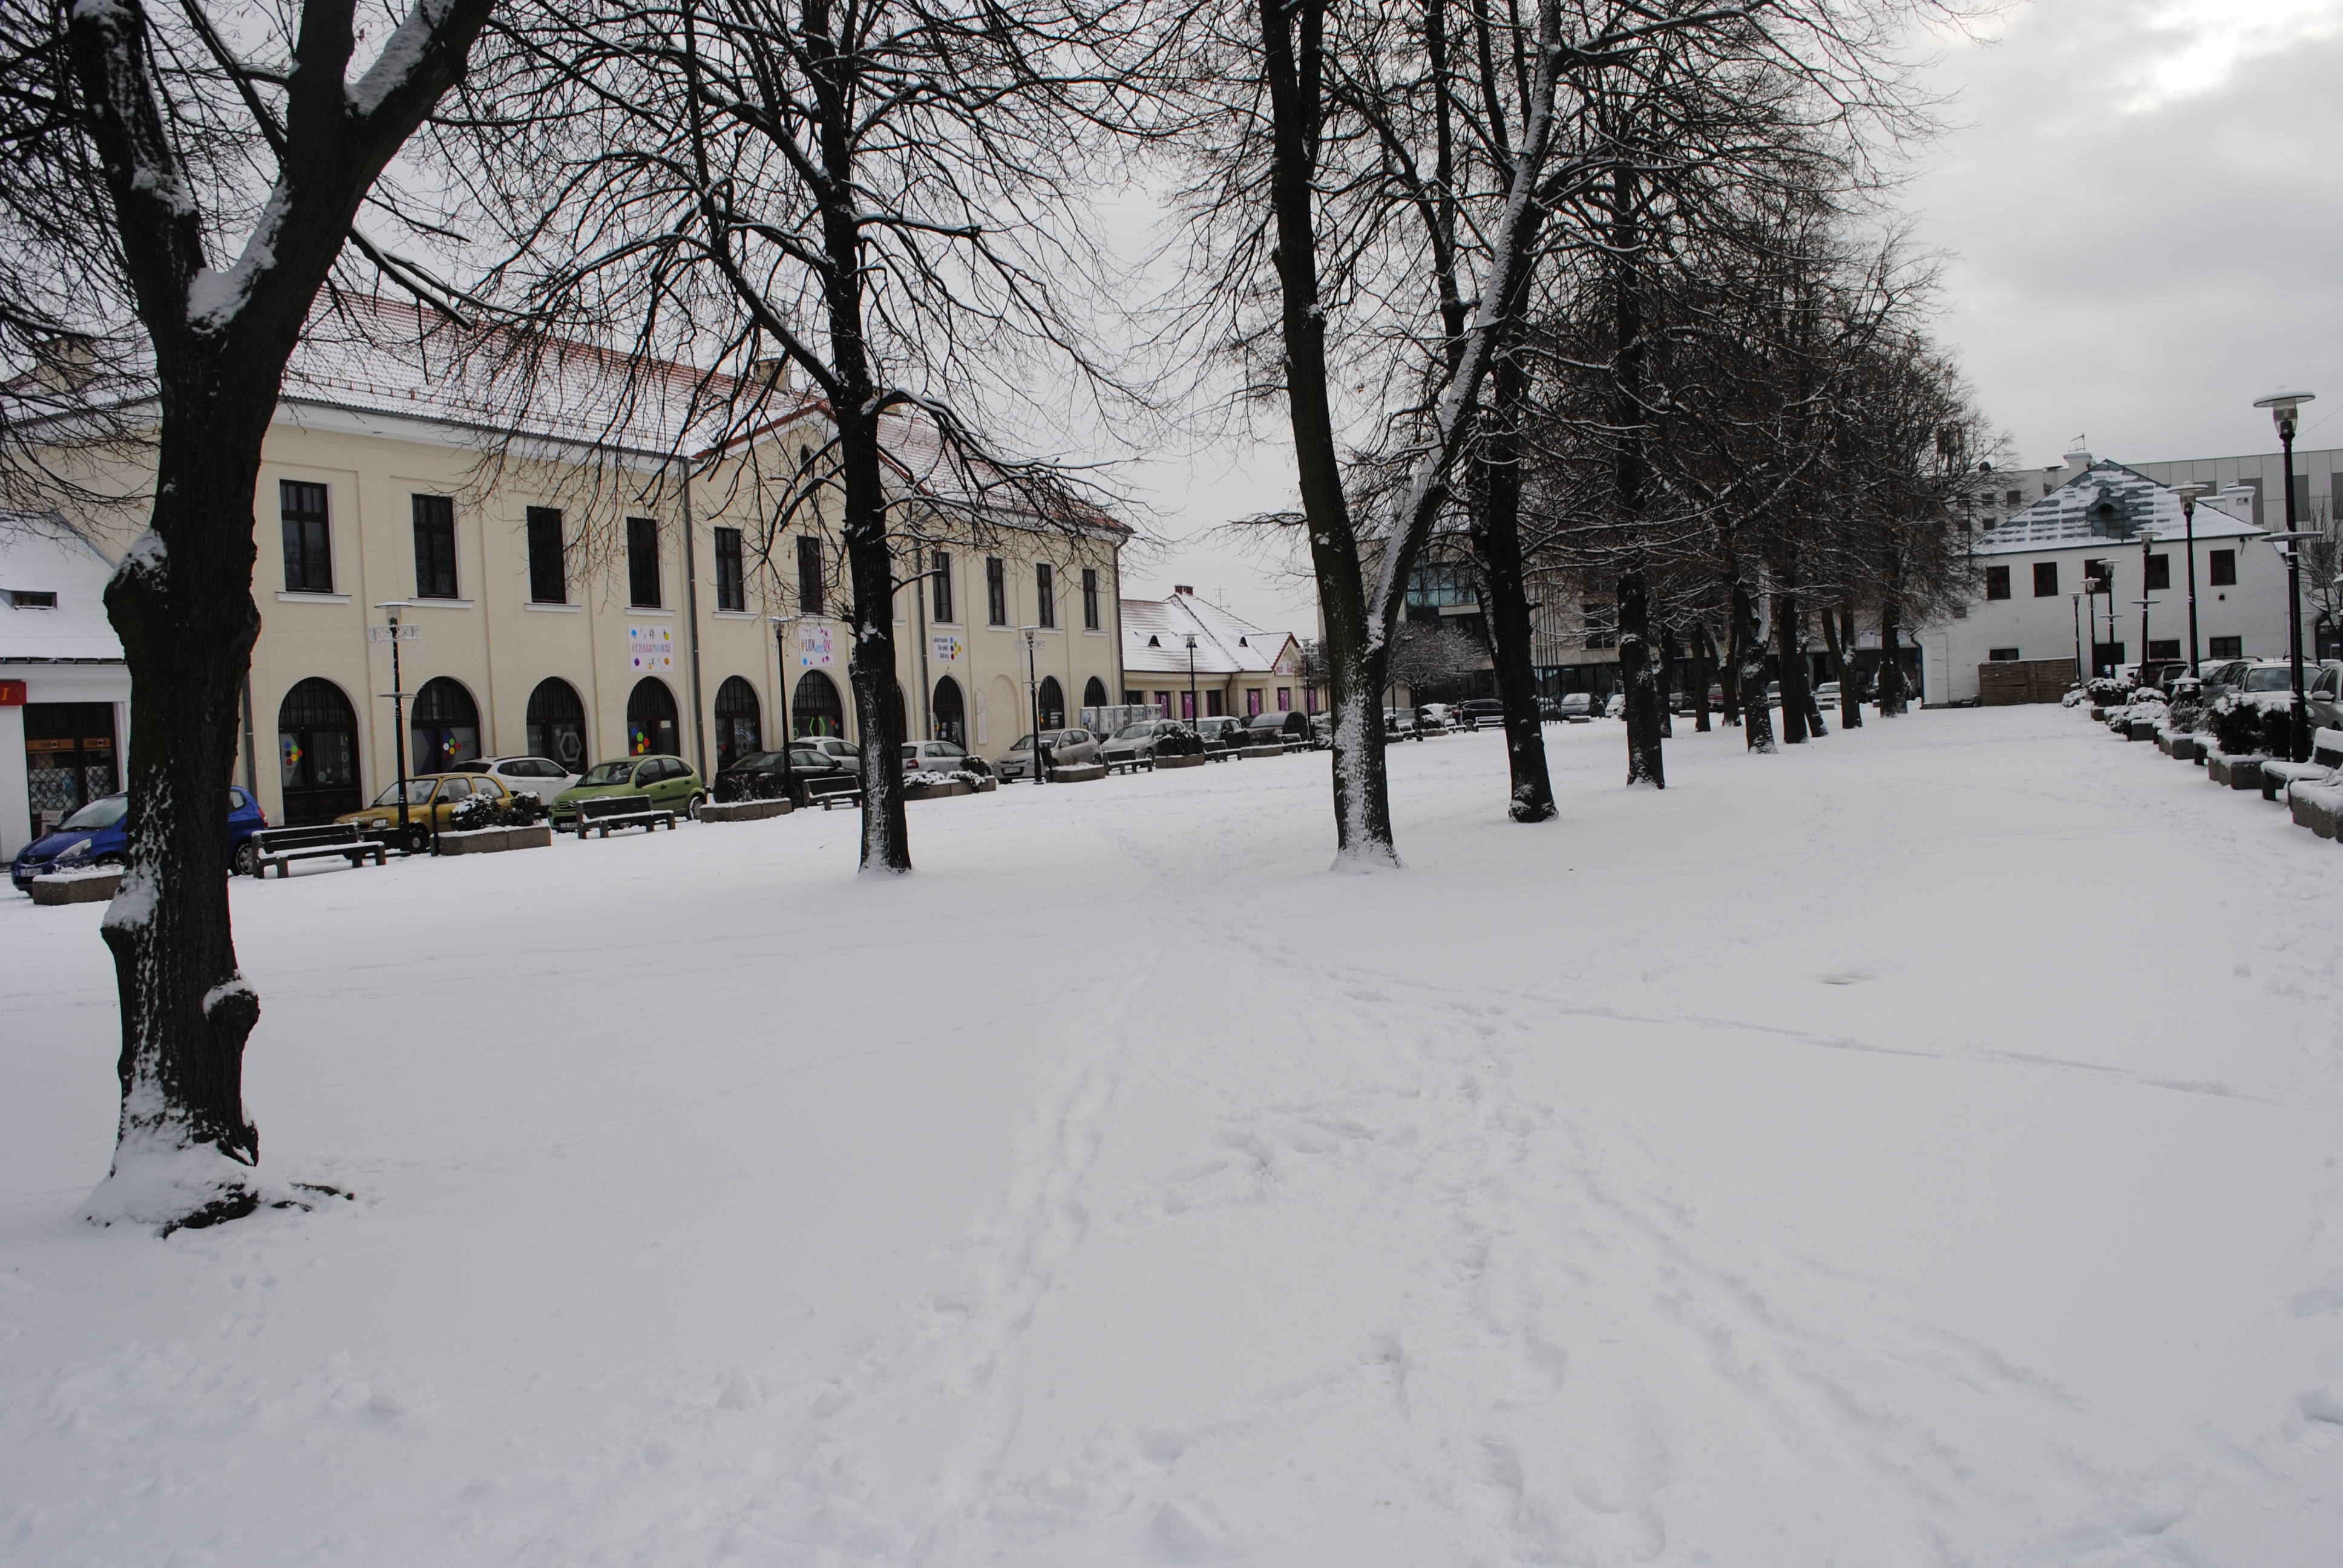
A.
pixel 1919 1147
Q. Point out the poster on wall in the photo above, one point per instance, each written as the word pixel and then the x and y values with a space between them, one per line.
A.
pixel 814 650
pixel 948 648
pixel 651 646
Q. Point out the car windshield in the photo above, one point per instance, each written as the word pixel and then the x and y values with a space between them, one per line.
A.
pixel 1139 732
pixel 609 773
pixel 103 812
pixel 759 759
pixel 418 790
pixel 2271 680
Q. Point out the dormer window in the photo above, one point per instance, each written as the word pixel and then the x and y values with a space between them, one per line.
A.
pixel 32 598
pixel 1155 642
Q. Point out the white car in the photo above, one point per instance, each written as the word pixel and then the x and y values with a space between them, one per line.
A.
pixel 539 776
pixel 941 757
pixel 1067 748
pixel 844 752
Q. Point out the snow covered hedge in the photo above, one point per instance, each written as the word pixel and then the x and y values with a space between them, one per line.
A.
pixel 1179 740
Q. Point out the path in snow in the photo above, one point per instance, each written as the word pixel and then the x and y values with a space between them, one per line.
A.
pixel 1915 1148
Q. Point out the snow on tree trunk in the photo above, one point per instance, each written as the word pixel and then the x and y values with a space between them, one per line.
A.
pixel 1795 703
pixel 1749 658
pixel 1498 536
pixel 1840 634
pixel 1639 678
pixel 1700 678
pixel 1891 663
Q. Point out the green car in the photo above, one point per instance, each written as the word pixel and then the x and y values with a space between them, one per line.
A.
pixel 667 781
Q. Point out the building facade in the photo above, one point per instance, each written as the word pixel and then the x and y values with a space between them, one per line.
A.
pixel 1193 660
pixel 65 692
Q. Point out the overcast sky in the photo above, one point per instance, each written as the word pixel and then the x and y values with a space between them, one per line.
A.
pixel 2140 207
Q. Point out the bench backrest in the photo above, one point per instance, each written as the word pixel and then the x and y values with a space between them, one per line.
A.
pixel 2326 746
pixel 618 805
pixel 839 784
pixel 271 839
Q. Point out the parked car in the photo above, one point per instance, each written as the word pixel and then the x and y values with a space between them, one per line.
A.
pixel 666 781
pixel 1135 742
pixel 1399 724
pixel 1617 706
pixel 1826 694
pixel 1716 696
pixel 941 756
pixel 431 800
pixel 1286 726
pixel 539 776
pixel 1435 717
pixel 2221 676
pixel 95 835
pixel 1575 708
pixel 1477 711
pixel 1222 732
pixel 1063 748
pixel 1321 732
pixel 845 753
pixel 2267 683
pixel 2323 695
pixel 764 775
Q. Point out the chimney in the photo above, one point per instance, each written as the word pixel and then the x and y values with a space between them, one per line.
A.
pixel 1184 587
pixel 2077 462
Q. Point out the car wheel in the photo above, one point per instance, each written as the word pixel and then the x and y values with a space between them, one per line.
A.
pixel 246 861
pixel 692 807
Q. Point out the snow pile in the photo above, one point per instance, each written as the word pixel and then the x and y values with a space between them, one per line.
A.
pixel 1755 1173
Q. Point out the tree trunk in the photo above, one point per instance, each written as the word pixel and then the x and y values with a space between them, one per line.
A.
pixel 1667 682
pixel 1499 491
pixel 1850 682
pixel 1700 678
pixel 182 604
pixel 870 663
pixel 1728 675
pixel 1891 663
pixel 1749 658
pixel 1795 700
pixel 1639 680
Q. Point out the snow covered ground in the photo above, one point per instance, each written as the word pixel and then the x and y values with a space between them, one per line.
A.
pixel 1916 1148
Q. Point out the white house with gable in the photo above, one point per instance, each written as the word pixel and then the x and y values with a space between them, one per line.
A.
pixel 2110 529
pixel 65 690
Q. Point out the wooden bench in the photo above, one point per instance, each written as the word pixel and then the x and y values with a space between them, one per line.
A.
pixel 1134 763
pixel 601 813
pixel 845 789
pixel 281 847
pixel 2325 767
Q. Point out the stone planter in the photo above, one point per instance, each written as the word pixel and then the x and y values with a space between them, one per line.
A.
pixel 2316 807
pixel 76 890
pixel 990 785
pixel 2099 716
pixel 2237 772
pixel 744 811
pixel 2140 729
pixel 945 791
pixel 496 840
pixel 2188 748
pixel 1198 760
pixel 1084 774
pixel 1252 751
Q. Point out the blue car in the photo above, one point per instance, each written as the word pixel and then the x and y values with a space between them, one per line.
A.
pixel 93 836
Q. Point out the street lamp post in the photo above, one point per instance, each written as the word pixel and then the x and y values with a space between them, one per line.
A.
pixel 2147 537
pixel 2077 599
pixel 2189 494
pixel 2282 407
pixel 394 634
pixel 1032 635
pixel 782 623
pixel 1191 676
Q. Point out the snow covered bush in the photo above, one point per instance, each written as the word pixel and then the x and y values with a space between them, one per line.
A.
pixel 2107 690
pixel 1179 740
pixel 2243 728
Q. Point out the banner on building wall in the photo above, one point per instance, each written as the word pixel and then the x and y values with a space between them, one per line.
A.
pixel 651 646
pixel 814 649
pixel 949 649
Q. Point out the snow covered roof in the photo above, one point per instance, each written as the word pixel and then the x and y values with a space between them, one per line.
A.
pixel 52 594
pixel 2105 503
pixel 1155 634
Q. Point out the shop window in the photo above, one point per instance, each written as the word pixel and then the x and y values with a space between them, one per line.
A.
pixel 1094 693
pixel 434 547
pixel 1214 705
pixel 1285 699
pixel 815 707
pixel 739 721
pixel 443 727
pixel 949 713
pixel 549 576
pixel 1253 702
pixel 643 563
pixel 651 728
pixel 69 758
pixel 308 537
pixel 1051 700
pixel 731 584
pixel 2222 568
pixel 316 753
pixel 556 724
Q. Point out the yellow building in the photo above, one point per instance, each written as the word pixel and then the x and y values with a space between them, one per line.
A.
pixel 1194 659
pixel 561 592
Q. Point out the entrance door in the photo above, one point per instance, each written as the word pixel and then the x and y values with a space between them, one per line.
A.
pixel 950 716
pixel 68 758
pixel 317 753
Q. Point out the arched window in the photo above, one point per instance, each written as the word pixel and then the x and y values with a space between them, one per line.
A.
pixel 1094 694
pixel 317 753
pixel 949 715
pixel 556 724
pixel 739 723
pixel 443 727
pixel 651 719
pixel 814 707
pixel 1053 703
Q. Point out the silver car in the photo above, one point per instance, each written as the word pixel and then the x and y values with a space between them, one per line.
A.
pixel 539 776
pixel 1064 747
pixel 1136 742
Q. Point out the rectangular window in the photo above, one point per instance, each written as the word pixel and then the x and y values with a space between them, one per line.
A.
pixel 1213 705
pixel 1133 699
pixel 731 586
pixel 2099 577
pixel 434 546
pixel 1045 606
pixel 1090 598
pixel 2014 498
pixel 1188 705
pixel 1593 614
pixel 1285 699
pixel 1309 697
pixel 2002 654
pixel 2164 648
pixel 2223 567
pixel 548 575
pixel 2045 579
pixel 308 537
pixel 1163 702
pixel 996 591
pixel 942 568
pixel 1997 582
pixel 2106 656
pixel 2227 648
pixel 809 575
pixel 1253 702
pixel 2159 574
pixel 643 563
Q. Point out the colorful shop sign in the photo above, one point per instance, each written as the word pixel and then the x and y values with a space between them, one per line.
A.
pixel 651 646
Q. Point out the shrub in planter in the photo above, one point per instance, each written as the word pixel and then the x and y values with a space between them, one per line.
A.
pixel 2187 715
pixel 2106 692
pixel 521 809
pixel 1179 741
pixel 2237 727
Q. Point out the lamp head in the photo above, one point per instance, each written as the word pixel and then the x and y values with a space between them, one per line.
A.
pixel 2282 407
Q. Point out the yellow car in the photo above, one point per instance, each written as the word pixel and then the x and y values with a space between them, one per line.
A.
pixel 431 800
